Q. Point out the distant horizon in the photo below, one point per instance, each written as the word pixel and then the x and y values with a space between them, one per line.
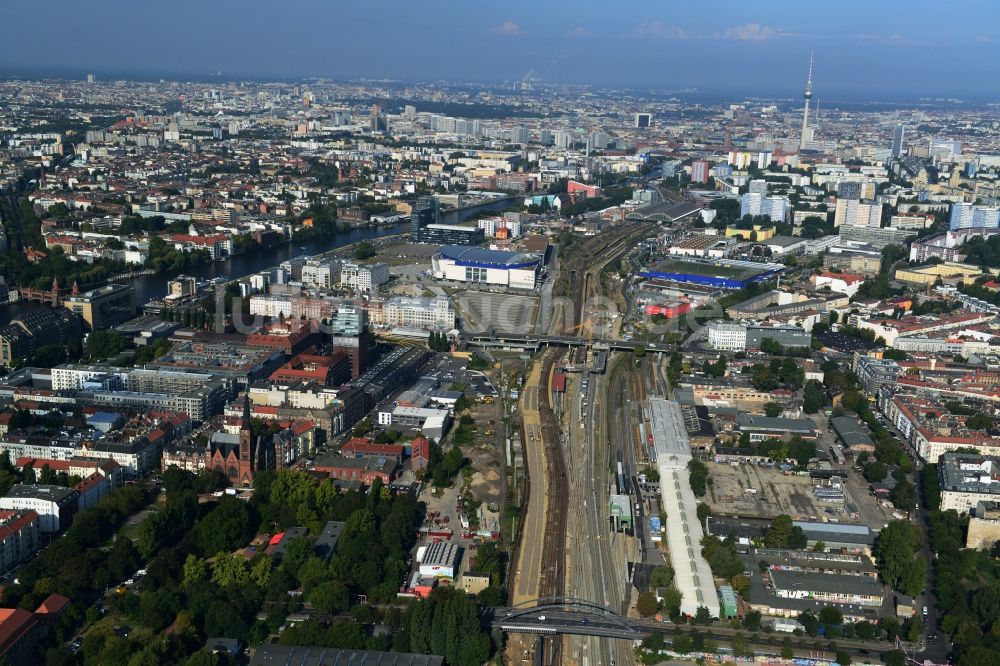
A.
pixel 777 94
pixel 863 50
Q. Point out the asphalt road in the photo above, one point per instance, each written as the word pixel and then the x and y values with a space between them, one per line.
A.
pixel 533 531
pixel 935 650
pixel 579 624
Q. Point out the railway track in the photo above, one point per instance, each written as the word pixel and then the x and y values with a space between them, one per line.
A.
pixel 552 583
pixel 588 262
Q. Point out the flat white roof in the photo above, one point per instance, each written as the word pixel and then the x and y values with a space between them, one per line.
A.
pixel 692 574
pixel 670 439
pixel 419 412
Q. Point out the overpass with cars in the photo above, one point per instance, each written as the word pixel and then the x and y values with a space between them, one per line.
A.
pixel 554 616
pixel 514 341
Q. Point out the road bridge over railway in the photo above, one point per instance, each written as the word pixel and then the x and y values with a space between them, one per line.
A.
pixel 563 615
pixel 553 616
pixel 498 339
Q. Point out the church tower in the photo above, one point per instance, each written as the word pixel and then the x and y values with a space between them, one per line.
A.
pixel 246 439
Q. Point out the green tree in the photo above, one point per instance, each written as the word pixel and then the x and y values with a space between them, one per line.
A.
pixel 49 356
pixel 681 643
pixel 894 658
pixel 672 601
pixel 654 642
pixel 894 551
pixel 864 630
pixel 662 576
pixel 875 471
pixel 195 571
pixel 770 346
pixel 329 597
pixel 831 615
pixel 741 585
pixel 47 476
pixel 904 495
pixel 813 397
pixel 104 344
pixel 809 622
pixel 697 476
pixel 783 534
pixel 230 569
pixel 772 409
pixel 722 557
pixel 58 210
pixel 364 250
pixel 703 511
pixel 226 527
pixel 647 605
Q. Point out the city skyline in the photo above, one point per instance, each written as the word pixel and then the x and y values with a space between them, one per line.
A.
pixel 447 334
pixel 740 50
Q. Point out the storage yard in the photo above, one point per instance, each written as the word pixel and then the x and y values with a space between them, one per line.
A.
pixel 747 489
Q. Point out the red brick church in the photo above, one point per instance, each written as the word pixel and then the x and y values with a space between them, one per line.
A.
pixel 240 459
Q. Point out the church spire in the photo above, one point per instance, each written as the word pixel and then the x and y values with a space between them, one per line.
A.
pixel 246 409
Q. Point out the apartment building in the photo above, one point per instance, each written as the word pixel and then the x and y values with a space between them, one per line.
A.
pixel 967 479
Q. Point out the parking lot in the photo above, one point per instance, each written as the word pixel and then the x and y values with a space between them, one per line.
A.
pixel 482 311
pixel 755 491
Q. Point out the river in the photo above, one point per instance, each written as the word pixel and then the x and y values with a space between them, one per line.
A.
pixel 150 287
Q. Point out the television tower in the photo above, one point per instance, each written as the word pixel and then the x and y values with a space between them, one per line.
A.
pixel 806 96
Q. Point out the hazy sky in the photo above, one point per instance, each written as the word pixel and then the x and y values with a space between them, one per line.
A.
pixel 908 48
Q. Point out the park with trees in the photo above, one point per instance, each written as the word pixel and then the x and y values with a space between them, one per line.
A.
pixel 207 574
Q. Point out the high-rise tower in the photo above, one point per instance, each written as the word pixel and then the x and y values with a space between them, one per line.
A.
pixel 898 139
pixel 806 96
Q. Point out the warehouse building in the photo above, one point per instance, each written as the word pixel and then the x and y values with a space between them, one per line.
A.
pixel 670 444
pixel 852 434
pixel 439 560
pixel 721 273
pixel 515 270
pixel 767 427
pixel 829 588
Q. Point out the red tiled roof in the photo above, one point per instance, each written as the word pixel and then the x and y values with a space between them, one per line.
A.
pixel 54 603
pixel 846 277
pixel 14 624
pixel 91 481
pixel 16 524
pixel 302 426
